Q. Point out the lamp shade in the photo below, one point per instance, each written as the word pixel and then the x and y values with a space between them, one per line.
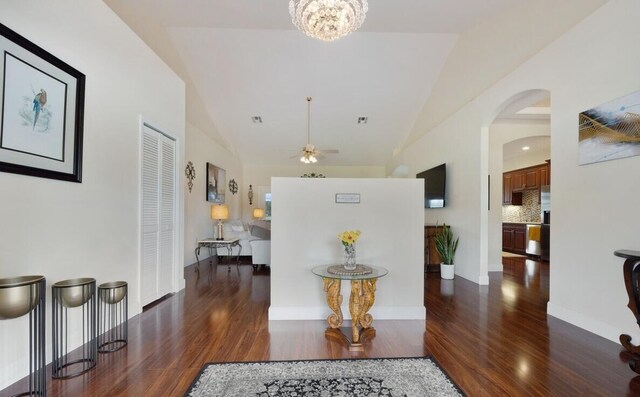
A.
pixel 219 212
pixel 258 213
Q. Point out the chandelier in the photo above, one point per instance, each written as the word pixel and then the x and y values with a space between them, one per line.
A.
pixel 328 19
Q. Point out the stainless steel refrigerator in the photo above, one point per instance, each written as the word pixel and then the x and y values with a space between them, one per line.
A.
pixel 545 216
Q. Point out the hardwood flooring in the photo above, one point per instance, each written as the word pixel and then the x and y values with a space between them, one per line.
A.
pixel 492 340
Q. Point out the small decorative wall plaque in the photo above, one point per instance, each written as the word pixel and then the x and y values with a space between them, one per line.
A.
pixel 250 194
pixel 190 173
pixel 348 198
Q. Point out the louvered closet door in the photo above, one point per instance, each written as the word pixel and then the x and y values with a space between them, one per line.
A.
pixel 167 205
pixel 158 215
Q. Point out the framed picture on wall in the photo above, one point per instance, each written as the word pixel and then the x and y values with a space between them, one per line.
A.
pixel 41 119
pixel 216 184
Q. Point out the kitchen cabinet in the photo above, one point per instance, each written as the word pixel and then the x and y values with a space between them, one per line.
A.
pixel 514 238
pixel 545 174
pixel 509 197
pixel 517 181
pixel 431 257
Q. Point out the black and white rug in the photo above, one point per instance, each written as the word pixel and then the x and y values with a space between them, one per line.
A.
pixel 410 377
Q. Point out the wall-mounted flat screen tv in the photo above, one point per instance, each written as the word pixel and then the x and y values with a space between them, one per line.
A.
pixel 434 186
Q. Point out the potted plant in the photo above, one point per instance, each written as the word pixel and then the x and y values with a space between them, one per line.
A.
pixel 446 246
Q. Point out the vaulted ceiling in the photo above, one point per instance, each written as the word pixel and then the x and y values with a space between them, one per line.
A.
pixel 244 58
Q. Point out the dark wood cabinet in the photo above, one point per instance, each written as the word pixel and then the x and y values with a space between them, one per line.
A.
pixel 545 177
pixel 517 181
pixel 506 188
pixel 514 238
pixel 531 179
pixel 431 257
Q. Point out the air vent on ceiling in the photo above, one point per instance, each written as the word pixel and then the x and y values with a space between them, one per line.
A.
pixel 363 120
pixel 256 119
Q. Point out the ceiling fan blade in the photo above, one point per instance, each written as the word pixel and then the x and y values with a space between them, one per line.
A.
pixel 330 151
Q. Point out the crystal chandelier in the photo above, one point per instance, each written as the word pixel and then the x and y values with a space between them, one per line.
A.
pixel 328 19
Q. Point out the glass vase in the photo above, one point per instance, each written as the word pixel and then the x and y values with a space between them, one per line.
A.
pixel 349 260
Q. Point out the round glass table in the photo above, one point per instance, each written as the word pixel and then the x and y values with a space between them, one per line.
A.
pixel 363 291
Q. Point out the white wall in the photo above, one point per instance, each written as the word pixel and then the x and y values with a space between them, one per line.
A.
pixel 499 134
pixel 594 206
pixel 306 223
pixel 259 176
pixel 66 230
pixel 200 149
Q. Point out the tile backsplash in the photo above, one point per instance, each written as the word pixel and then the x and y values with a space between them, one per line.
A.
pixel 529 211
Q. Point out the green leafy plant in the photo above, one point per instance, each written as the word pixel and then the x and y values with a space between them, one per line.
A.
pixel 445 244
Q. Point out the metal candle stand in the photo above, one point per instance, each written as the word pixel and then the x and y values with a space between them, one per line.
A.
pixel 112 316
pixel 19 296
pixel 69 294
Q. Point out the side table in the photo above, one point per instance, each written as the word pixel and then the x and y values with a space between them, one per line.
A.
pixel 362 298
pixel 211 244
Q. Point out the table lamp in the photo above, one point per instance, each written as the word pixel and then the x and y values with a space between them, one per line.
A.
pixel 219 212
pixel 258 213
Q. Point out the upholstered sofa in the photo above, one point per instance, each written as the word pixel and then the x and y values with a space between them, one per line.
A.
pixel 255 240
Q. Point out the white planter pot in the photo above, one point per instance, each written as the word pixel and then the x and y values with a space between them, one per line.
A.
pixel 447 271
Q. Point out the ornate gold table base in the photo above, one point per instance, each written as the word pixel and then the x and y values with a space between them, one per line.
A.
pixel 360 302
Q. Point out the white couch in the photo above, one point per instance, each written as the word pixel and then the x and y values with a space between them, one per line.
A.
pixel 255 240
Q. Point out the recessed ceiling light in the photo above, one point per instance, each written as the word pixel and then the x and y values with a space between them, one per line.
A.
pixel 363 120
pixel 526 148
pixel 256 119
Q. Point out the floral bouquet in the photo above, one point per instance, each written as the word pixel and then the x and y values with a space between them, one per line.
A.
pixel 348 239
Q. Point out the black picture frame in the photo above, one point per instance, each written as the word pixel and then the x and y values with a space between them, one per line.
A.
pixel 53 147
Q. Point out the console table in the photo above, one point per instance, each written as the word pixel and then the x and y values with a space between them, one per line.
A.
pixel 363 290
pixel 631 270
pixel 212 243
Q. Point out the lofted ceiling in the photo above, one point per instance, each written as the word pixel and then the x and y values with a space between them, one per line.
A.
pixel 244 58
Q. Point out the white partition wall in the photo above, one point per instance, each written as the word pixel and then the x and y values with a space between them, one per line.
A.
pixel 305 224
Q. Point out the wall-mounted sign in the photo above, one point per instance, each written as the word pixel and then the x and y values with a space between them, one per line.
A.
pixel 348 198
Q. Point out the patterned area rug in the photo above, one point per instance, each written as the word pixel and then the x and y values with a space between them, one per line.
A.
pixel 410 377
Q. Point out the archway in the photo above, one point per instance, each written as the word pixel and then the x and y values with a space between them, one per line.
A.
pixel 521 121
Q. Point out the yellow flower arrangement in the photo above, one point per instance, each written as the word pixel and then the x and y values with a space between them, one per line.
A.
pixel 349 237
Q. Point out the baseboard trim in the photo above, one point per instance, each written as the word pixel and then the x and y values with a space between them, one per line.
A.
pixel 587 323
pixel 320 313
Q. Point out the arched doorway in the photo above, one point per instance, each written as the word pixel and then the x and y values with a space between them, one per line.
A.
pixel 518 136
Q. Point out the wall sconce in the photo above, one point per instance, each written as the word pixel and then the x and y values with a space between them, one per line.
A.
pixel 190 173
pixel 219 212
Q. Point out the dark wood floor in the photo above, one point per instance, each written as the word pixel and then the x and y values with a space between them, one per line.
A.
pixel 492 341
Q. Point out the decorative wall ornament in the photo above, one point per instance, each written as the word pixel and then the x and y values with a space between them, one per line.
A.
pixel 312 175
pixel 190 173
pixel 42 111
pixel 233 186
pixel 610 131
pixel 250 195
pixel 216 184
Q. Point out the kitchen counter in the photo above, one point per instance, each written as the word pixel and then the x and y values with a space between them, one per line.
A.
pixel 523 223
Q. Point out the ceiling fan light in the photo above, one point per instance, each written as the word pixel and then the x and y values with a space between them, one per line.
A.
pixel 313 159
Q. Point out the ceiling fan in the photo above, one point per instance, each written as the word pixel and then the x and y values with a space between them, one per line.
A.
pixel 309 152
